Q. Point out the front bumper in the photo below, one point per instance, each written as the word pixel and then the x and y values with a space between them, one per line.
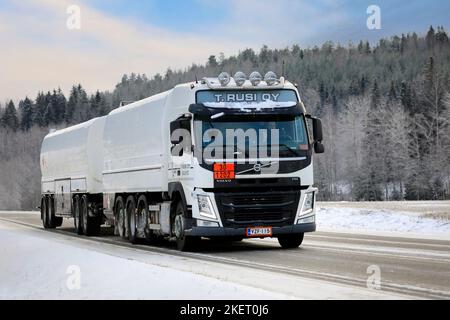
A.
pixel 241 232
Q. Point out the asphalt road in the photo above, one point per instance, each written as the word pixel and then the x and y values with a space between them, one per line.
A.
pixel 416 268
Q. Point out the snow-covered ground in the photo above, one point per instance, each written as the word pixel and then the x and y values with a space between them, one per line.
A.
pixel 424 217
pixel 32 267
pixel 43 265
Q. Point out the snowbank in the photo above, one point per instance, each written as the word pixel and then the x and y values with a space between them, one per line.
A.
pixel 367 219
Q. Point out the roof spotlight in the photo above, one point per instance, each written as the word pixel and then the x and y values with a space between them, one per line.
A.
pixel 240 78
pixel 224 79
pixel 255 78
pixel 271 78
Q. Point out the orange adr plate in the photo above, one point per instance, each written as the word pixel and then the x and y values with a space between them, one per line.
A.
pixel 224 171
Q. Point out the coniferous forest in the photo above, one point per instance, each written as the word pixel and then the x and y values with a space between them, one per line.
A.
pixel 385 109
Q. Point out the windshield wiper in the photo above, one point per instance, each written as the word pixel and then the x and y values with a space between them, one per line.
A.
pixel 293 151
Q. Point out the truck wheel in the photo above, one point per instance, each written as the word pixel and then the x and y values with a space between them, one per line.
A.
pixel 143 219
pixel 119 215
pixel 54 221
pixel 132 220
pixel 44 212
pixel 291 241
pixel 91 225
pixel 77 217
pixel 184 243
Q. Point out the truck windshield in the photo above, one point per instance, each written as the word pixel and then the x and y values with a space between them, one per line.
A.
pixel 282 136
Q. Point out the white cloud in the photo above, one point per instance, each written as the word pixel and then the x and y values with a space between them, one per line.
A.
pixel 40 53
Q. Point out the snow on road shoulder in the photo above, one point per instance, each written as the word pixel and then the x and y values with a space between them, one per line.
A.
pixel 33 267
pixel 35 264
pixel 368 219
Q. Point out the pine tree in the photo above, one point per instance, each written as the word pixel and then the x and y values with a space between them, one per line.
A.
pixel 9 118
pixel 72 103
pixel 430 38
pixel 59 106
pixel 26 114
pixel 392 96
pixel 40 110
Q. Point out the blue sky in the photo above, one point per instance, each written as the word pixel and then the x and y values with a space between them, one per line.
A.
pixel 398 16
pixel 118 36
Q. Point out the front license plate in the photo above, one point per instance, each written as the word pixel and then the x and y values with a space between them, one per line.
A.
pixel 259 232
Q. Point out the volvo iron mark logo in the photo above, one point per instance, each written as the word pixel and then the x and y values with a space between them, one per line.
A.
pixel 257 167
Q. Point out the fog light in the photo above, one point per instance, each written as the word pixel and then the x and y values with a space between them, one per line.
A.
pixel 310 219
pixel 240 78
pixel 209 224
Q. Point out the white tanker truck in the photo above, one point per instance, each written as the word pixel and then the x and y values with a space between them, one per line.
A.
pixel 189 163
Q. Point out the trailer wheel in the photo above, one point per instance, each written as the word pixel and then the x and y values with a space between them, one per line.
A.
pixel 184 242
pixel 132 220
pixel 91 225
pixel 290 241
pixel 119 214
pixel 54 221
pixel 77 217
pixel 44 212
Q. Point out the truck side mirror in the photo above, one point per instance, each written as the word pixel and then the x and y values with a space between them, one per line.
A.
pixel 318 147
pixel 180 123
pixel 317 129
pixel 317 134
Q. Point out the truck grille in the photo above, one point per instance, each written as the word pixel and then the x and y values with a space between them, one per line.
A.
pixel 272 208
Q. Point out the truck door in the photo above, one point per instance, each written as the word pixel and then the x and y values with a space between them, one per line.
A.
pixel 181 151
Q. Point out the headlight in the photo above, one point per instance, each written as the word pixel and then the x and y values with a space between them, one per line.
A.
pixel 308 203
pixel 310 219
pixel 205 207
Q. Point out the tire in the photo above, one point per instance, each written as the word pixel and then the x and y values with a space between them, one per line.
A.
pixel 45 213
pixel 143 215
pixel 91 225
pixel 120 218
pixel 54 221
pixel 184 243
pixel 77 217
pixel 132 220
pixel 291 241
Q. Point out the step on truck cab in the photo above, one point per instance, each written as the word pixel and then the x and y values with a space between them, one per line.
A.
pixel 226 157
